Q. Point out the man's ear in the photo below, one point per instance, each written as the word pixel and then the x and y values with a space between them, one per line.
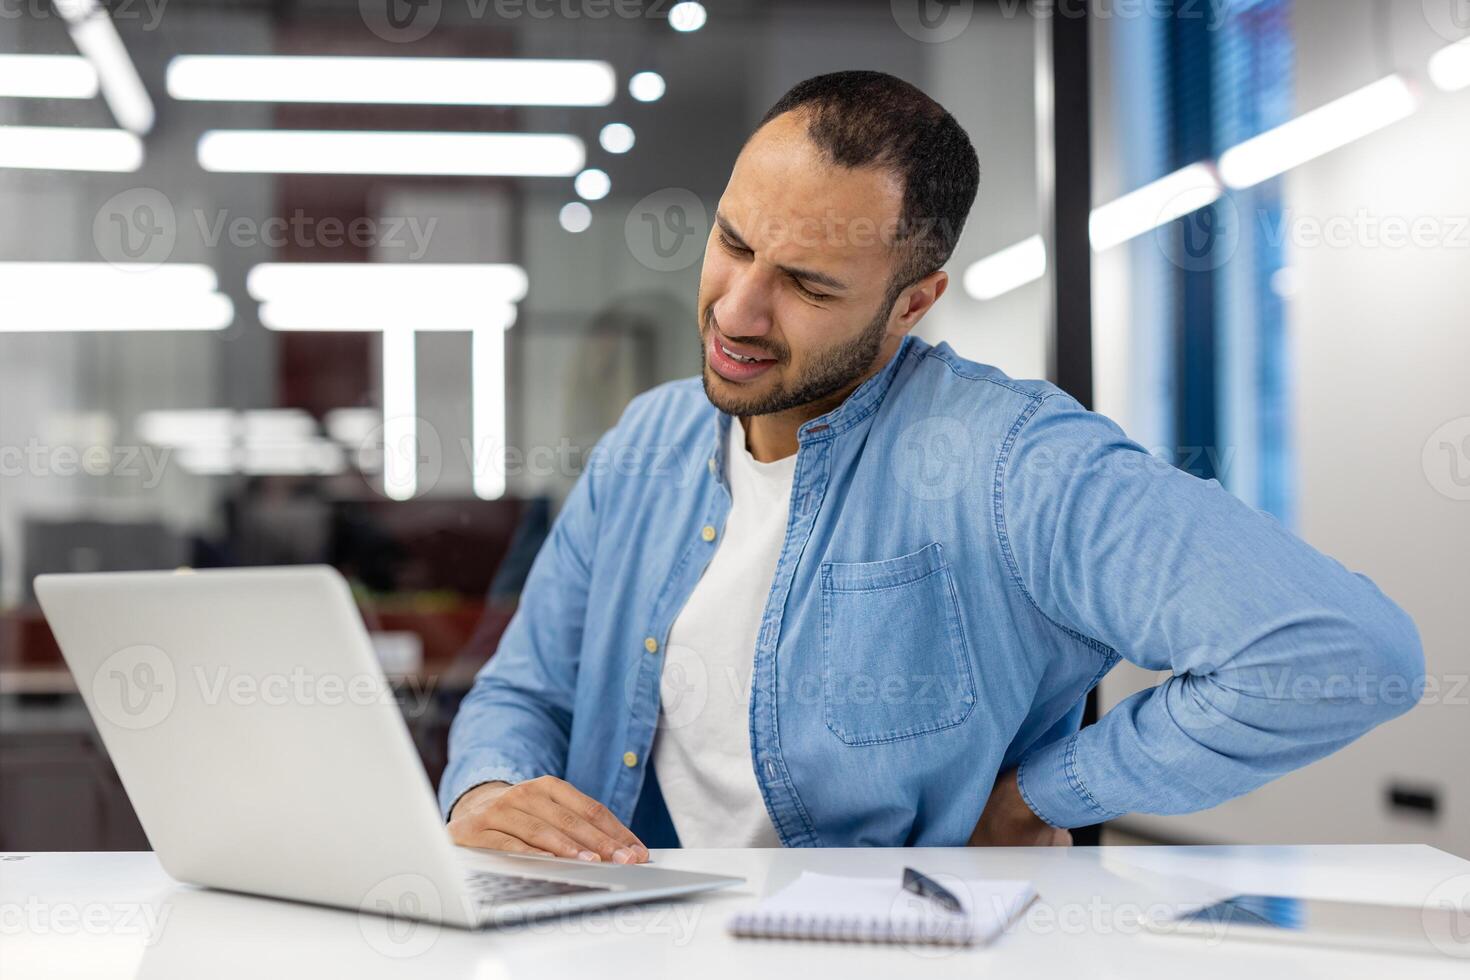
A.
pixel 918 300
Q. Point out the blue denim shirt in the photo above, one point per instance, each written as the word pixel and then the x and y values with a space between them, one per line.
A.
pixel 965 557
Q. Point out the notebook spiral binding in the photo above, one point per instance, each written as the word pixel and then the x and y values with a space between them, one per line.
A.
pixel 787 925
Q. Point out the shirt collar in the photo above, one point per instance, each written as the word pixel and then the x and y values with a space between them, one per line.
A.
pixel 857 406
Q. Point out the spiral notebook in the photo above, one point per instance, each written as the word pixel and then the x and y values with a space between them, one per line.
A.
pixel 832 907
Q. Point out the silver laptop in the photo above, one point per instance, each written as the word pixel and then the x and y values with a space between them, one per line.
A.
pixel 265 752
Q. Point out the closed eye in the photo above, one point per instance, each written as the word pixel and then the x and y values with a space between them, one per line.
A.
pixel 740 251
pixel 731 247
pixel 809 294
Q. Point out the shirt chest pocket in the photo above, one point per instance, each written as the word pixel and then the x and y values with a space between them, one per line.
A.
pixel 895 660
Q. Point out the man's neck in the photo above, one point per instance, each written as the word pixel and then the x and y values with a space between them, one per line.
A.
pixel 772 437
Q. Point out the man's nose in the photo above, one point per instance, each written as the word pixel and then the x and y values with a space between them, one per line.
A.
pixel 745 309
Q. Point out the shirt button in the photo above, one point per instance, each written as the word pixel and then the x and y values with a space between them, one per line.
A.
pixel 711 464
pixel 651 645
pixel 630 759
pixel 708 533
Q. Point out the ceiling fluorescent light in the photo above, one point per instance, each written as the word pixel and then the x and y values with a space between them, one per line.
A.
pixel 1318 132
pixel 1449 68
pixel 94 278
pixel 478 282
pixel 1154 205
pixel 377 313
pixel 46 312
pixel 1006 270
pixel 47 76
pixel 93 33
pixel 350 152
pixel 96 296
pixel 401 450
pixel 487 421
pixel 69 148
pixel 391 81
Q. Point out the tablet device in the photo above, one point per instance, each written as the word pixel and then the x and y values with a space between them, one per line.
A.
pixel 1435 929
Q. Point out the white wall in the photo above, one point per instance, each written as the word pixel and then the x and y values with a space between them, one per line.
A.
pixel 1380 349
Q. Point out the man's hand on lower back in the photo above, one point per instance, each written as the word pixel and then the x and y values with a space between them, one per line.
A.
pixel 546 816
pixel 1009 822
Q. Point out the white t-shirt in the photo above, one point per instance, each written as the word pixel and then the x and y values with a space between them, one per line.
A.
pixel 702 750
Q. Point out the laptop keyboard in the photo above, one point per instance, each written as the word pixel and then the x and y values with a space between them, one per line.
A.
pixel 493 888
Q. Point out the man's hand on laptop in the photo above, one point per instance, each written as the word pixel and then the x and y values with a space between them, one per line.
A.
pixel 1009 822
pixel 546 816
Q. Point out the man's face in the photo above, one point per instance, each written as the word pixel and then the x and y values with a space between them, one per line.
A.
pixel 796 273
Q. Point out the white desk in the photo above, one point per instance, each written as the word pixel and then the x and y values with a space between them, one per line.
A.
pixel 88 916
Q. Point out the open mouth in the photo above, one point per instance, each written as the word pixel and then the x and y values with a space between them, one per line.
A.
pixel 743 358
pixel 733 364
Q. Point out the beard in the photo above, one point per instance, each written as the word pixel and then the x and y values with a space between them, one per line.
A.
pixel 828 372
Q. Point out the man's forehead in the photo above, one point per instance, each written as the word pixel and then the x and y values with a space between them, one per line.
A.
pixel 784 190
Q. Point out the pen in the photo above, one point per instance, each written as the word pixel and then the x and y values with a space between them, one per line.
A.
pixel 927 887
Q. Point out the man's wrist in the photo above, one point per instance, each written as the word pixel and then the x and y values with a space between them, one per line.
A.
pixel 474 793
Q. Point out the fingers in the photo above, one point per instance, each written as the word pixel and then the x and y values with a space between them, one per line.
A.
pixel 494 840
pixel 597 817
pixel 537 830
pixel 548 816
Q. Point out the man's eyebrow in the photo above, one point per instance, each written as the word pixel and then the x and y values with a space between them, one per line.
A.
pixel 806 275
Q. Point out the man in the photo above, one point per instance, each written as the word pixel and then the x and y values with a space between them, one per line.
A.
pixel 874 581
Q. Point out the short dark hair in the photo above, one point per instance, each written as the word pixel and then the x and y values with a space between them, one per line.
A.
pixel 871 119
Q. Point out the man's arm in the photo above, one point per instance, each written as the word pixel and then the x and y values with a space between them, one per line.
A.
pixel 1280 656
pixel 503 788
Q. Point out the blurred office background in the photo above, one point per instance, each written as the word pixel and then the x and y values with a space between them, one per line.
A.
pixel 219 347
